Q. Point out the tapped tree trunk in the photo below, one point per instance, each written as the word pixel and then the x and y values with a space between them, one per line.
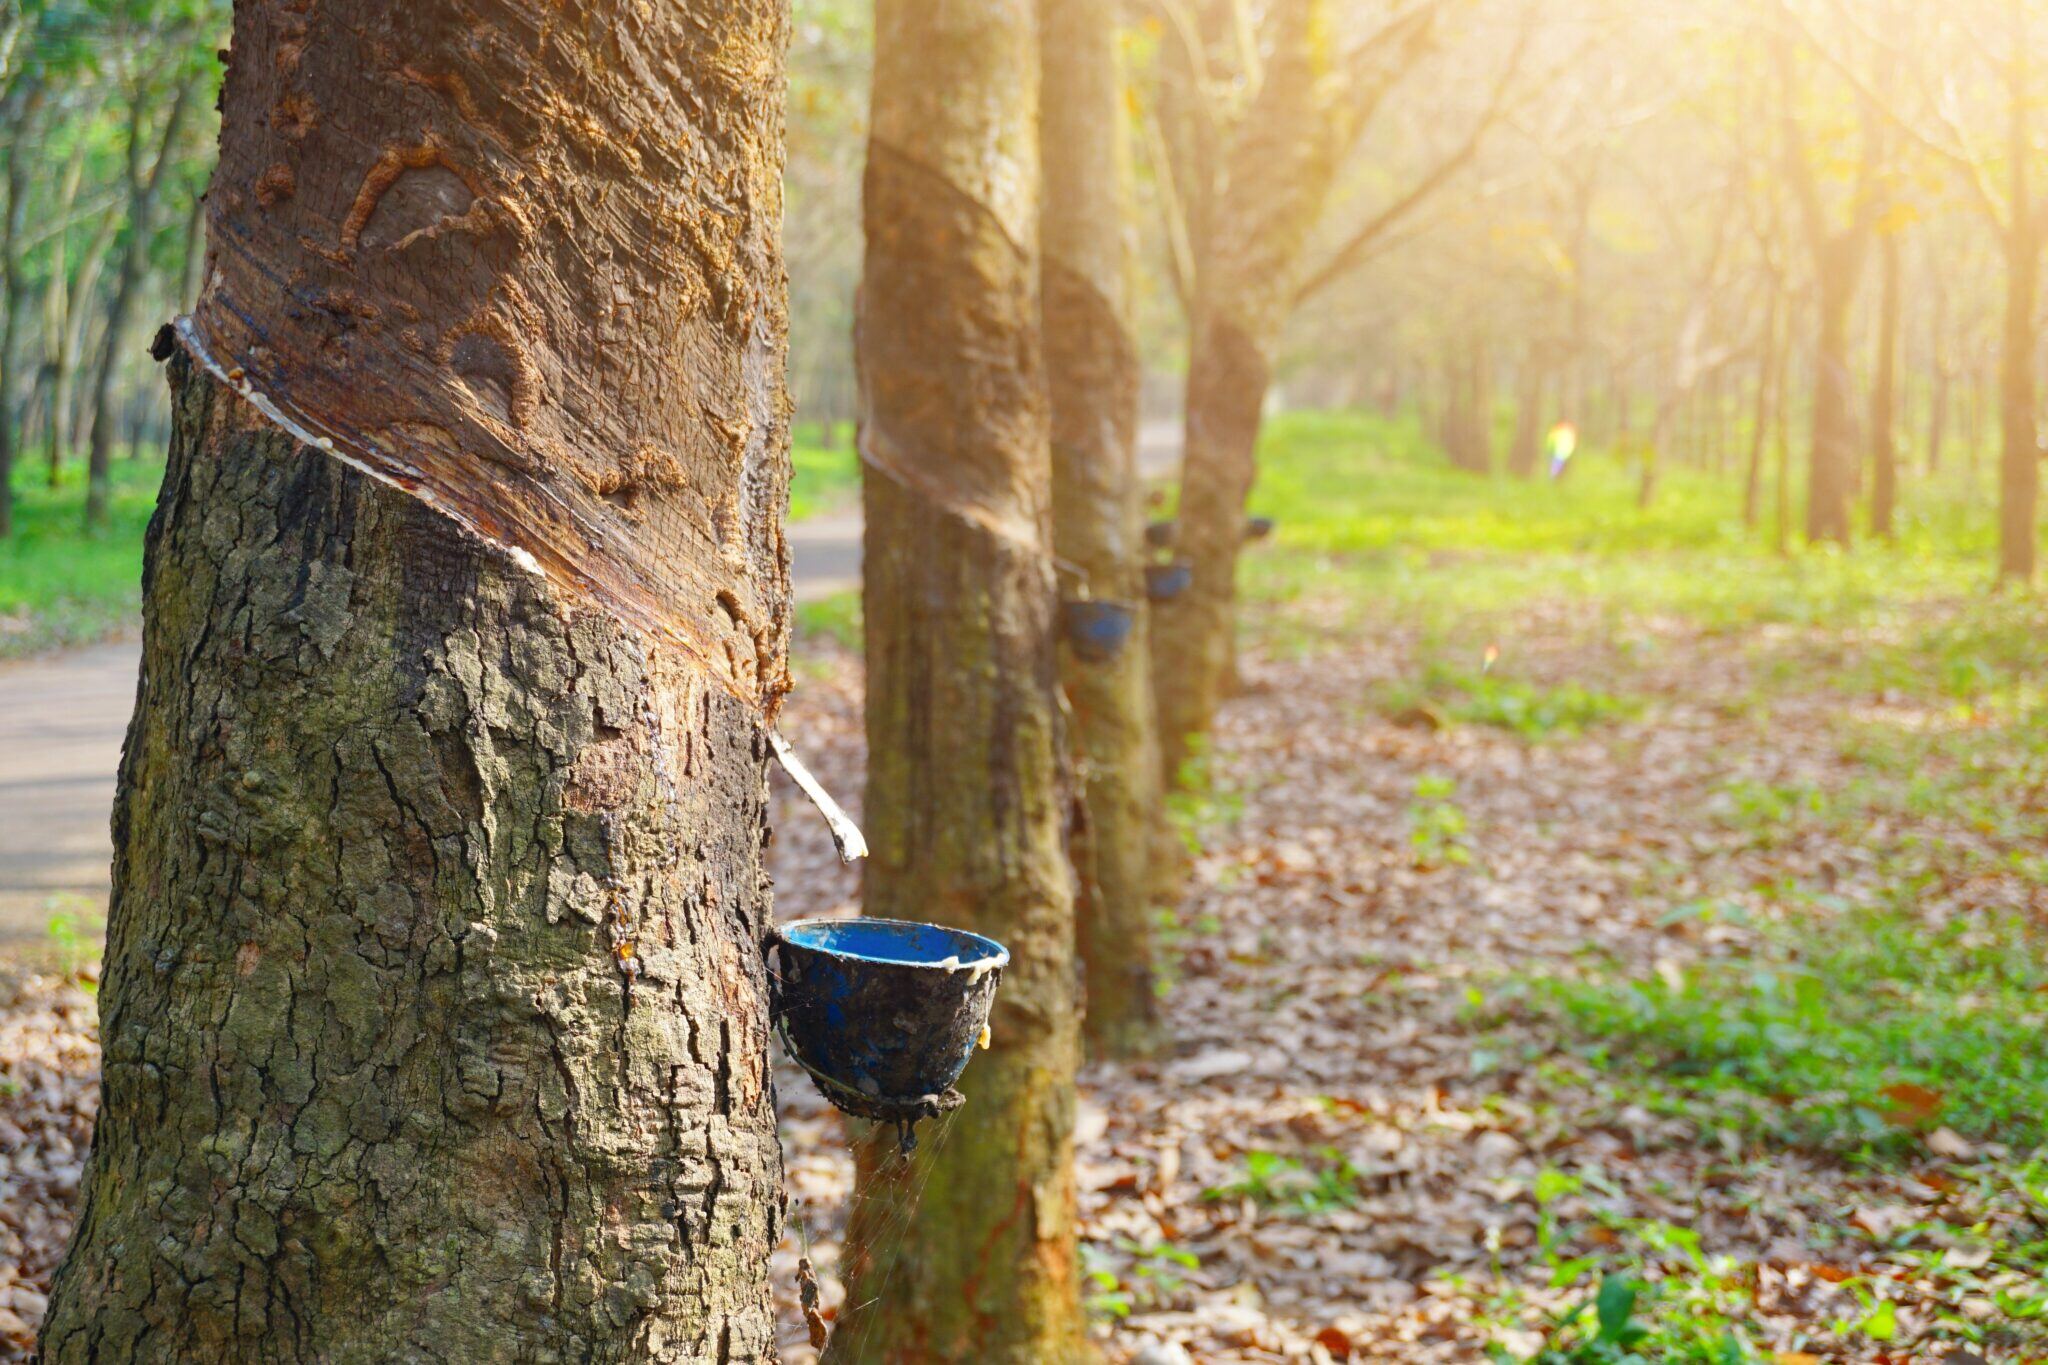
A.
pixel 434 1009
pixel 966 1249
pixel 1092 374
pixel 1191 634
pixel 1884 445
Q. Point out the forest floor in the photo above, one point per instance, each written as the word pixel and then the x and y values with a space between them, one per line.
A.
pixel 1590 955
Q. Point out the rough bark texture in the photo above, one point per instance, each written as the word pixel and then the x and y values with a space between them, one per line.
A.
pixel 434 1009
pixel 1279 174
pixel 964 805
pixel 434 1013
pixel 1092 374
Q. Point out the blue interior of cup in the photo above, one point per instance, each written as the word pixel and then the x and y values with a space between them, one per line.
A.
pixel 895 941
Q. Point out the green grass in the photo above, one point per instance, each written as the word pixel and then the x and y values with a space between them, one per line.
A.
pixel 1858 1033
pixel 61 587
pixel 1535 712
pixel 1371 515
pixel 824 477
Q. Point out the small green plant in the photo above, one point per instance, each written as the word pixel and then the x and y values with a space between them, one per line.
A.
pixel 1860 1029
pixel 1132 1276
pixel 1200 807
pixel 1437 824
pixel 1535 713
pixel 1271 1180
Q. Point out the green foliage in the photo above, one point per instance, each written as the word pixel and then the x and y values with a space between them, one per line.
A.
pixel 1373 522
pixel 1856 1031
pixel 823 477
pixel 1199 806
pixel 60 586
pixel 1133 1276
pixel 1295 1185
pixel 1529 710
pixel 836 618
pixel 1437 824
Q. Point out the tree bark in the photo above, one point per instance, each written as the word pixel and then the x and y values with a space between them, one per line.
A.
pixel 1833 454
pixel 965 799
pixel 1092 374
pixel 434 1010
pixel 1760 414
pixel 1526 445
pixel 142 197
pixel 1884 443
pixel 1280 170
pixel 2019 464
pixel 19 109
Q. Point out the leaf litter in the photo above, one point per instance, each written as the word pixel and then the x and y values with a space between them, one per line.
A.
pixel 1344 1153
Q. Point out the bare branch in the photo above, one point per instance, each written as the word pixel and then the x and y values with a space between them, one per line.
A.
pixel 1357 247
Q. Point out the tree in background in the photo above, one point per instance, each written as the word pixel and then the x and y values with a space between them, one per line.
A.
pixel 1092 369
pixel 143 184
pixel 1254 189
pixel 1837 237
pixel 434 1016
pixel 965 804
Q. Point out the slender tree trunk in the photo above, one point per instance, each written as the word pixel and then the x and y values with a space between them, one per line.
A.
pixel 142 197
pixel 1760 416
pixel 1092 374
pixel 2019 465
pixel 1833 457
pixel 1884 445
pixel 15 175
pixel 434 1010
pixel 1526 446
pixel 965 801
pixel 1937 414
pixel 1781 442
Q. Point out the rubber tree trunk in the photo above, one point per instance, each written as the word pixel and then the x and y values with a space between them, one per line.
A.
pixel 2019 464
pixel 1092 374
pixel 1831 462
pixel 142 198
pixel 1884 440
pixel 434 1009
pixel 1280 168
pixel 965 1251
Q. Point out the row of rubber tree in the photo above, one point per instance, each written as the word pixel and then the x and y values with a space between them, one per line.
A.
pixel 434 1011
